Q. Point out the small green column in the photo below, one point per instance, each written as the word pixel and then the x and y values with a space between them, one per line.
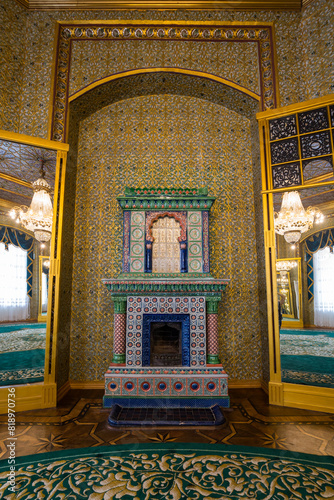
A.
pixel 212 330
pixel 119 330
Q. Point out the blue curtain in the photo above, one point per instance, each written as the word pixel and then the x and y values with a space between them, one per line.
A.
pixel 9 235
pixel 314 243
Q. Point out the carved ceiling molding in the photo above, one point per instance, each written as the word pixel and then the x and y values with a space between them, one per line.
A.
pixel 180 31
pixel 169 5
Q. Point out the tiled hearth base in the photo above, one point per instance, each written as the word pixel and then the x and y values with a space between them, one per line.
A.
pixel 166 387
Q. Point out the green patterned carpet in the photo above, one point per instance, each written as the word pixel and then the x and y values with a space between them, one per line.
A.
pixel 170 471
pixel 307 357
pixel 22 353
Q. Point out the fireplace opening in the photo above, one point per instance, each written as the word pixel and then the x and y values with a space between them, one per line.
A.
pixel 166 344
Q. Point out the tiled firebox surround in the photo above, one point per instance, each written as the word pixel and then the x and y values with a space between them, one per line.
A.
pixel 159 308
pixel 141 297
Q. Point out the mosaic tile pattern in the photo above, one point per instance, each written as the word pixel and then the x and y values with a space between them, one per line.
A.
pixel 37 30
pixel 219 33
pixel 167 385
pixel 126 241
pixel 212 334
pixel 119 333
pixel 195 247
pixel 317 34
pixel 118 56
pixel 138 306
pixel 13 22
pixel 26 111
pixel 206 248
pixel 226 168
pixel 137 242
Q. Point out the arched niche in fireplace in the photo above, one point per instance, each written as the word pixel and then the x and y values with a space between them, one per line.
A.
pixel 166 232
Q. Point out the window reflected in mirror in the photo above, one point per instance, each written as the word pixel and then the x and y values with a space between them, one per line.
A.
pixel 44 267
pixel 305 288
pixel 23 267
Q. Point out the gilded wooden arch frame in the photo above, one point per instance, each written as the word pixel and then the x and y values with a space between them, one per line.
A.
pixel 67 32
pixel 206 31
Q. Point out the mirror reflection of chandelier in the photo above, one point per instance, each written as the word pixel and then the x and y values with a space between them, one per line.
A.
pixel 37 217
pixel 283 266
pixel 293 220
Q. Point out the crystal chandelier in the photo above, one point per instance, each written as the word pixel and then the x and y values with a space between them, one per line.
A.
pixel 293 220
pixel 283 266
pixel 37 217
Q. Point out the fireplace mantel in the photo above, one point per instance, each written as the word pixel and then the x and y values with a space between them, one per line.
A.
pixel 143 297
pixel 183 284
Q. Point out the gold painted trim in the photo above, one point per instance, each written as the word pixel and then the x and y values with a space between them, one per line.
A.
pixel 308 397
pixel 319 179
pixel 171 4
pixel 293 395
pixel 314 231
pixel 275 65
pixel 296 108
pixel 7 204
pixel 306 3
pixel 15 193
pixel 70 31
pixel 24 3
pixel 17 181
pixel 98 384
pixel 29 397
pixel 53 77
pixel 54 273
pixel 244 384
pixel 169 22
pixel 33 141
pixel 200 74
pixel 298 188
pixel 276 393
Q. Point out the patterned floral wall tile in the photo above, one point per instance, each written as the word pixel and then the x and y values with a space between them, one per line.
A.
pixel 152 137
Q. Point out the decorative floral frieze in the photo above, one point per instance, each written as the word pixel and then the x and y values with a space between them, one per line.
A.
pixel 161 203
pixel 150 287
pixel 134 30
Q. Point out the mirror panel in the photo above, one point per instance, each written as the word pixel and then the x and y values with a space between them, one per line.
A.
pixel 289 290
pixel 23 312
pixel 20 162
pixel 44 268
pixel 297 156
pixel 307 338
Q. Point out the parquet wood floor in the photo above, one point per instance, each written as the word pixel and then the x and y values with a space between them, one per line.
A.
pixel 81 421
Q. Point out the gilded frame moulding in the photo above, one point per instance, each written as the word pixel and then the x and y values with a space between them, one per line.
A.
pixel 260 33
pixel 283 393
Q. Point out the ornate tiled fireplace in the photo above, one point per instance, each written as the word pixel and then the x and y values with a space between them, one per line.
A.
pixel 165 351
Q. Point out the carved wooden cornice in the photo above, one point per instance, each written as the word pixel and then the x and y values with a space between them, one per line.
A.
pixel 171 4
